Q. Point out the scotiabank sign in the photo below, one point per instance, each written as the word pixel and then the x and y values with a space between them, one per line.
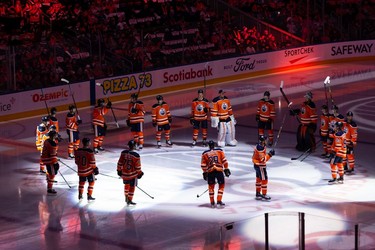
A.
pixel 189 74
pixel 50 96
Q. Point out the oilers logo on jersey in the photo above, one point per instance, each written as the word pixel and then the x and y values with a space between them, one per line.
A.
pixel 224 106
pixel 162 111
pixel 264 108
pixel 199 107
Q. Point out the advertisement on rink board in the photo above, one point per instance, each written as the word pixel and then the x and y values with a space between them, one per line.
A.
pixel 31 103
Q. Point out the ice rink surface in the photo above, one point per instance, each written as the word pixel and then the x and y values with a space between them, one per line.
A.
pixel 168 214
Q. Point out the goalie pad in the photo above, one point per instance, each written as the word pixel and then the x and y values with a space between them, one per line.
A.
pixel 230 137
pixel 233 119
pixel 214 121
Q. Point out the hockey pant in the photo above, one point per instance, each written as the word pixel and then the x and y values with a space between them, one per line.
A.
pixel 211 178
pixel 227 134
pixel 337 166
pixel 91 180
pixel 129 188
pixel 74 141
pixel 99 135
pixel 196 126
pixel 262 126
pixel 305 138
pixel 167 132
pixel 261 179
pixel 349 161
pixel 52 170
pixel 137 132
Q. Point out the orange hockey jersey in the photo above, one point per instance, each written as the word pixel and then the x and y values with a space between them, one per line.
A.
pixel 53 121
pixel 71 122
pixel 129 164
pixel 49 152
pixel 41 130
pixel 199 109
pixel 213 160
pixel 85 161
pixel 136 112
pixel 339 144
pixel 351 130
pixel 98 115
pixel 260 156
pixel 324 124
pixel 308 113
pixel 221 108
pixel 161 114
pixel 266 110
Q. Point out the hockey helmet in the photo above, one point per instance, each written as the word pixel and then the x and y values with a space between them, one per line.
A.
pixel 101 101
pixel 86 141
pixel 131 144
pixel 211 144
pixel 159 97
pixel 350 113
pixel 53 111
pixel 221 91
pixel 71 107
pixel 339 125
pixel 325 107
pixel 134 95
pixel 335 107
pixel 200 91
pixel 267 93
pixel 45 119
pixel 262 138
pixel 309 95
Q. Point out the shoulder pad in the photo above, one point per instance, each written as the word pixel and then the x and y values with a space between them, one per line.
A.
pixel 195 99
pixel 341 116
pixel 311 104
pixel 216 99
pixel 134 153
pixel 205 99
pixel 70 115
pixel 88 150
pixel 140 102
pixel 353 124
pixel 155 105
pixel 270 101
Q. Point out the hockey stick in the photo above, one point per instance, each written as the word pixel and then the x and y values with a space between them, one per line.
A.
pixel 199 195
pixel 325 88
pixel 66 165
pixel 144 192
pixel 204 78
pixel 65 179
pixel 281 127
pixel 309 153
pixel 287 101
pixel 113 113
pixel 330 91
pixel 72 94
pixel 45 102
pixel 303 153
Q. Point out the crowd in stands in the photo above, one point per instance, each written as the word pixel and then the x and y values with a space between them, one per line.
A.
pixel 84 39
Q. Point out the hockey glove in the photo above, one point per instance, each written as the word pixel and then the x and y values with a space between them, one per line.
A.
pixel 233 119
pixel 227 172
pixel 204 176
pixel 79 122
pixel 154 124
pixel 191 120
pixel 128 122
pixel 205 110
pixel 140 175
pixel 96 171
pixel 214 121
pixel 257 118
pixel 170 119
pixel 56 167
pixel 119 173
pixel 272 152
pixel 109 104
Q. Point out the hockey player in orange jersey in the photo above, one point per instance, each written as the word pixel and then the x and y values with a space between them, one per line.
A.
pixel 161 120
pixel 223 119
pixel 41 131
pixel 53 119
pixel 308 124
pixel 351 130
pixel 334 118
pixel 265 116
pixel 86 164
pixel 72 121
pixel 213 164
pixel 49 158
pixel 260 157
pixel 136 118
pixel 98 121
pixel 199 117
pixel 324 128
pixel 129 169
pixel 338 154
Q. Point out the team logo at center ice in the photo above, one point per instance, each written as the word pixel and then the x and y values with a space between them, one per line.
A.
pixel 199 107
pixel 264 108
pixel 224 106
pixel 162 111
